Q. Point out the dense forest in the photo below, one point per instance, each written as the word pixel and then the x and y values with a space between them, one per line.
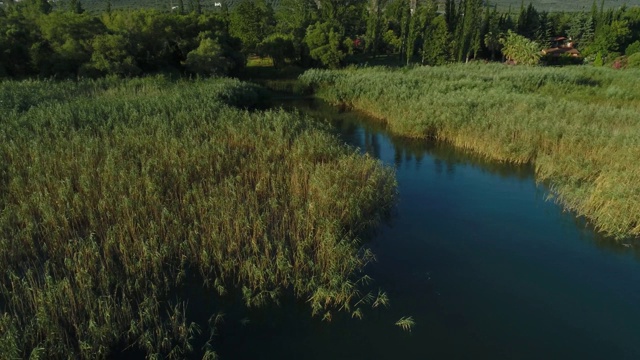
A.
pixel 39 39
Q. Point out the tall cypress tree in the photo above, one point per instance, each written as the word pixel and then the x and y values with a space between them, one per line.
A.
pixel 405 22
pixel 468 31
pixel 436 43
pixel 75 6
pixel 374 26
pixel 450 15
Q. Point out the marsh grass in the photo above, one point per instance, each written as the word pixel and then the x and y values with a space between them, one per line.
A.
pixel 113 192
pixel 579 126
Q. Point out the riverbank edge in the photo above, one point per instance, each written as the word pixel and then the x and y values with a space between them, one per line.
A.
pixel 570 203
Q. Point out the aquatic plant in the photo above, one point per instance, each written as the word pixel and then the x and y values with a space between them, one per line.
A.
pixel 579 126
pixel 406 323
pixel 114 192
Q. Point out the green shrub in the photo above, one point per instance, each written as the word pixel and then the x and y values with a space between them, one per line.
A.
pixel 633 61
pixel 633 48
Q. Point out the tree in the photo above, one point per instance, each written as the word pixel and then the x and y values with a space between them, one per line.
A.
pixel 492 42
pixel 451 16
pixel 67 38
pixel 492 32
pixel 279 47
pixel 468 30
pixel 374 26
pixel 75 6
pixel 251 22
pixel 528 22
pixel 581 30
pixel 545 30
pixel 436 44
pixel 111 55
pixel 293 18
pixel 634 48
pixel 16 40
pixel 405 24
pixel 609 38
pixel 421 16
pixel 33 8
pixel 343 12
pixel 520 50
pixel 208 59
pixel 325 44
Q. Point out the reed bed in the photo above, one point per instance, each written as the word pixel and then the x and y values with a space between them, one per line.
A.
pixel 113 192
pixel 579 126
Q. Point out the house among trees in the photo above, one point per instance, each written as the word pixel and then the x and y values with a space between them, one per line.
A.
pixel 561 46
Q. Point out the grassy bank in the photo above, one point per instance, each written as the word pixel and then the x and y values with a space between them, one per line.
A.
pixel 113 192
pixel 579 126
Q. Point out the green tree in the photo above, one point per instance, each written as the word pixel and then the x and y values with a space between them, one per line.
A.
pixel 208 59
pixel 634 48
pixel 492 42
pixel 344 12
pixel 451 15
pixel 405 26
pixel 468 31
pixel 392 42
pixel 69 37
pixel 421 16
pixel 110 56
pixel 492 32
pixel 436 44
pixel 609 38
pixel 75 6
pixel 251 22
pixel 325 44
pixel 528 22
pixel 16 39
pixel 279 47
pixel 375 27
pixel 633 62
pixel 520 50
pixel 294 17
pixel 581 30
pixel 39 6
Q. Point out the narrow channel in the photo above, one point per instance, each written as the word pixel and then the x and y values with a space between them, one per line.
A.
pixel 485 264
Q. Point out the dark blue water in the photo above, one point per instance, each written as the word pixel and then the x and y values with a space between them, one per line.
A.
pixel 483 262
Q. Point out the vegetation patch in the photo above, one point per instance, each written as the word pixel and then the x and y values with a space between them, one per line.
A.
pixel 579 125
pixel 113 193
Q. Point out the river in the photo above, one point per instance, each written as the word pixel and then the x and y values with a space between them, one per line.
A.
pixel 485 264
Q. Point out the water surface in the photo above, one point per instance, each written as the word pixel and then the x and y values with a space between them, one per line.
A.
pixel 485 264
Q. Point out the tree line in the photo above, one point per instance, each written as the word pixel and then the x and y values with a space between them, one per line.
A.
pixel 431 32
pixel 39 39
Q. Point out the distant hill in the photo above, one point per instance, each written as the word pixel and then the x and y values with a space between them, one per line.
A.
pixel 503 5
pixel 100 5
pixel 562 5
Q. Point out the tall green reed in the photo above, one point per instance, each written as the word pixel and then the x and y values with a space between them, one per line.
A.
pixel 579 126
pixel 113 192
